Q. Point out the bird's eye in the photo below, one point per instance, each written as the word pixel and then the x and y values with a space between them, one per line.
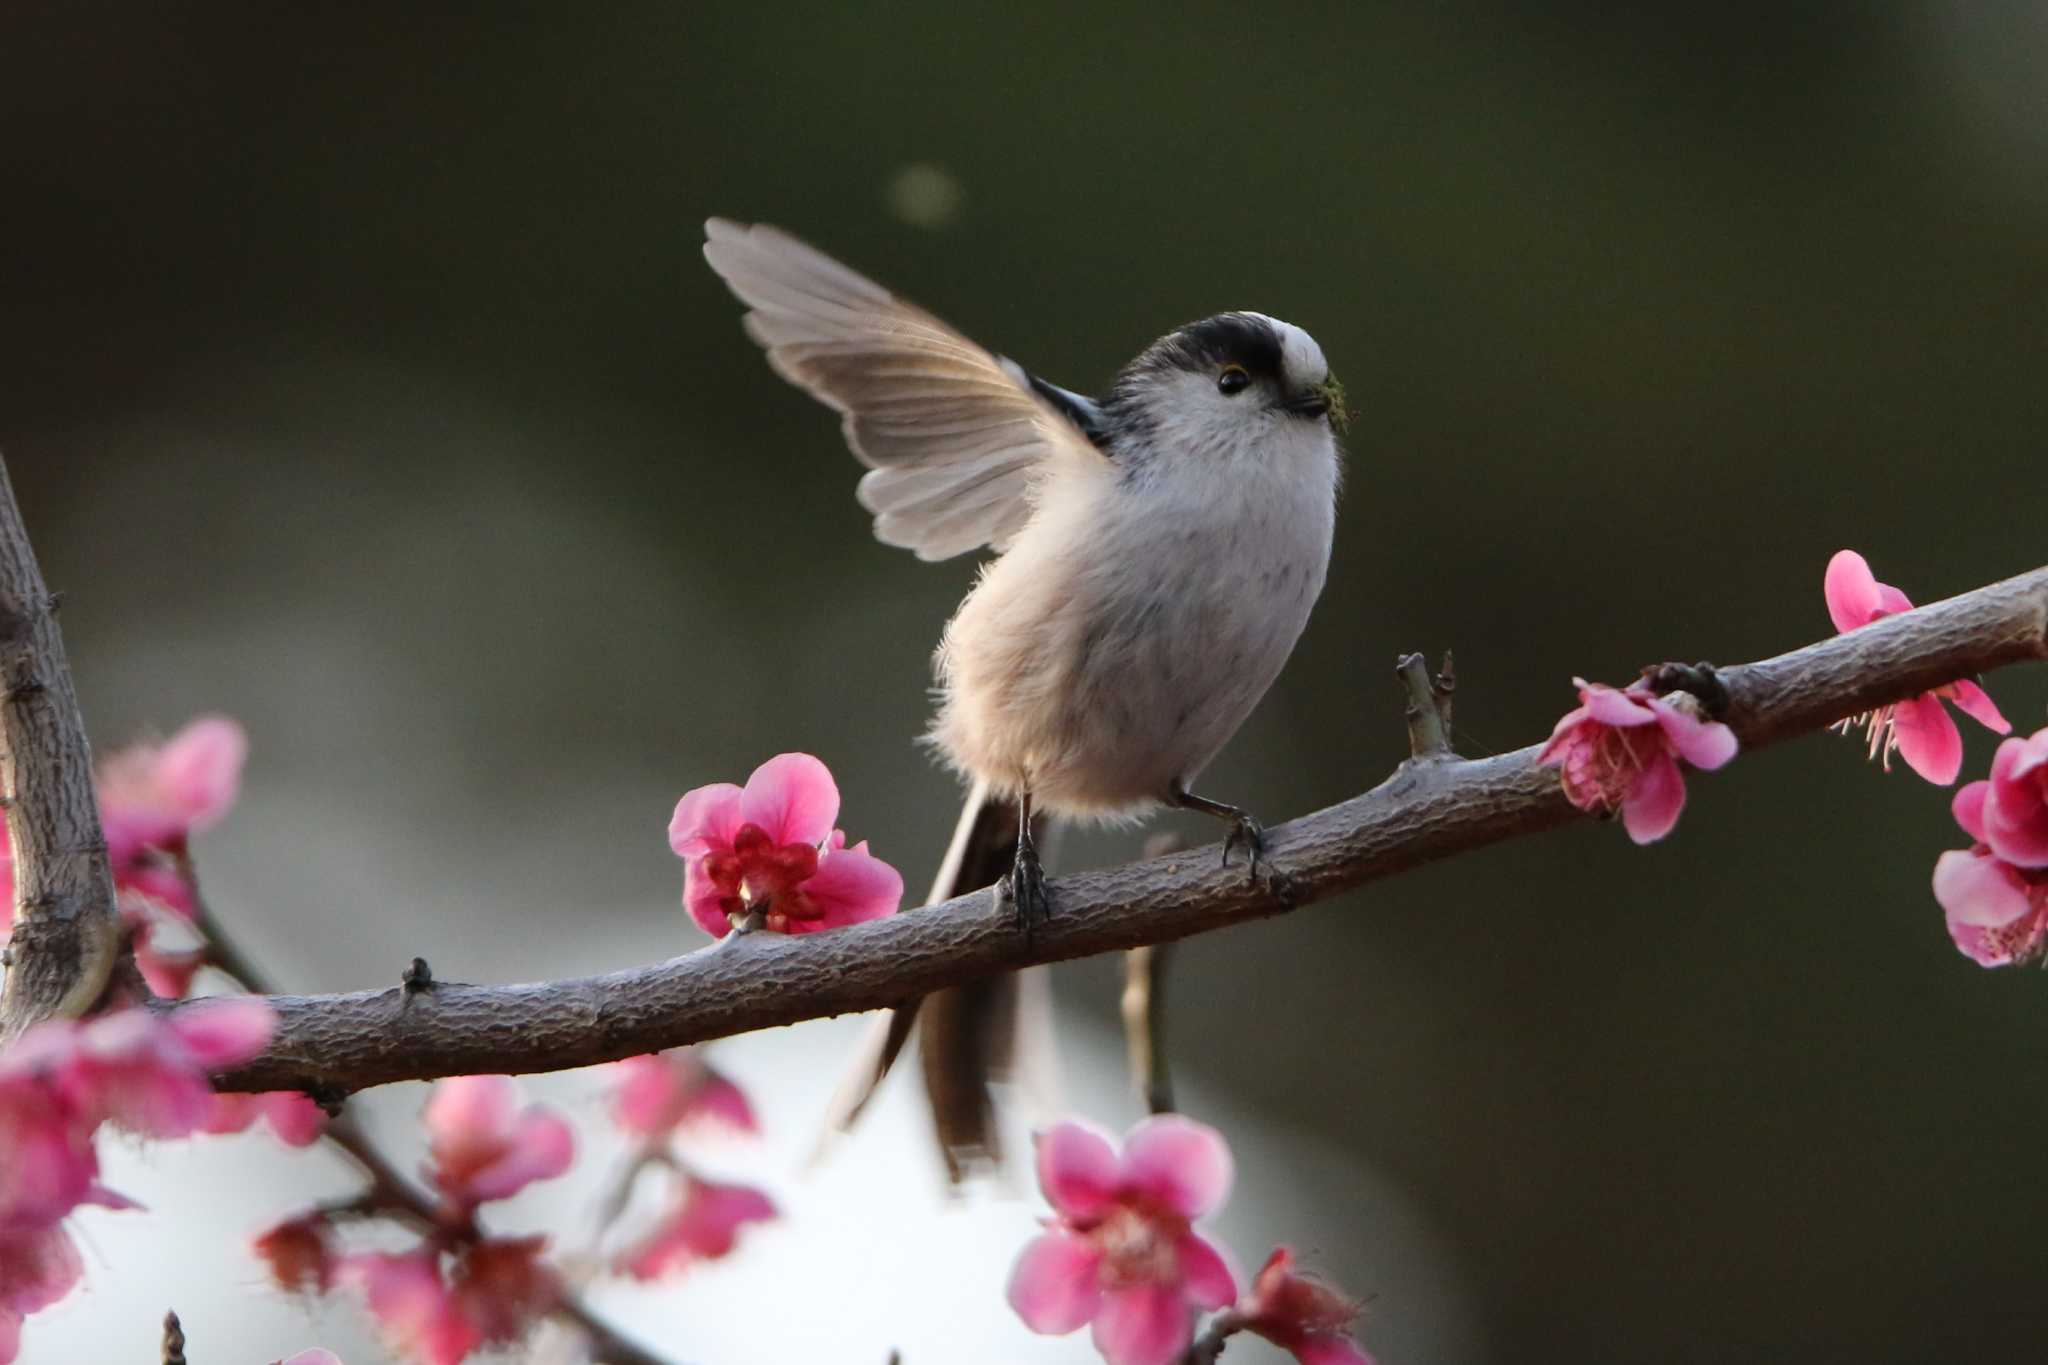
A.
pixel 1233 380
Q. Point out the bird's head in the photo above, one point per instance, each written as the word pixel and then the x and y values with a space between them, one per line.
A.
pixel 1227 379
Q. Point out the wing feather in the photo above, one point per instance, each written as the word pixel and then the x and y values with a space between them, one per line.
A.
pixel 952 435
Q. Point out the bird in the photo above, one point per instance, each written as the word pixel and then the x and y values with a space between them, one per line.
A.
pixel 1157 552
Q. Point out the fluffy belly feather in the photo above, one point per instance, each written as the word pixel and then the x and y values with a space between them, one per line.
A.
pixel 1095 682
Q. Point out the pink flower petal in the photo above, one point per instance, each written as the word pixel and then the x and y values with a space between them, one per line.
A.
pixel 50 1165
pixel 1054 1287
pixel 1143 1325
pixel 1706 744
pixel 169 974
pixel 1979 890
pixel 2016 806
pixel 1968 808
pixel 1974 702
pixel 720 1101
pixel 135 1070
pixel 464 1111
pixel 1078 1169
pixel 649 1097
pixel 657 1093
pixel 1330 1350
pixel 293 1117
pixel 1928 739
pixel 1209 1281
pixel 99 1196
pixel 1563 734
pixel 793 798
pixel 1183 1164
pixel 412 1305
pixel 159 882
pixel 704 1226
pixel 1980 945
pixel 1851 590
pixel 1611 706
pixel 38 1266
pixel 851 886
pixel 1655 802
pixel 2029 756
pixel 224 1032
pixel 484 1147
pixel 199 770
pixel 706 906
pixel 705 819
pixel 541 1147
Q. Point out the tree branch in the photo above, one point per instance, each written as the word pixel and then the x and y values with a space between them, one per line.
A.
pixel 338 1043
pixel 67 934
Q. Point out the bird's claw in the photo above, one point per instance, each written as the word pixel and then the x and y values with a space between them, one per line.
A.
pixel 1248 833
pixel 1251 835
pixel 1024 888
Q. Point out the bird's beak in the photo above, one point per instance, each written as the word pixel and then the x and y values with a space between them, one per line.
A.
pixel 1325 399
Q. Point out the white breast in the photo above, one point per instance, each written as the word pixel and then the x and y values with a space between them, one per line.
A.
pixel 1138 619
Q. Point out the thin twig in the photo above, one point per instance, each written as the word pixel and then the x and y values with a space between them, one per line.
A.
pixel 1144 1005
pixel 1206 1348
pixel 1429 708
pixel 1144 1008
pixel 67 932
pixel 340 1043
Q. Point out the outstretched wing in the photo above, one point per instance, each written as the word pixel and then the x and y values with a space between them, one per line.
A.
pixel 951 434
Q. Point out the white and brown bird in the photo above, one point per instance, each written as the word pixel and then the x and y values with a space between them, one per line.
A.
pixel 1158 550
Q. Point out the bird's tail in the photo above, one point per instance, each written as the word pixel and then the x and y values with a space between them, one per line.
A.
pixel 971 1035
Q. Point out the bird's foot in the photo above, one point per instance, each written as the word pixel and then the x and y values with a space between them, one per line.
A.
pixel 1250 834
pixel 1024 888
pixel 1243 830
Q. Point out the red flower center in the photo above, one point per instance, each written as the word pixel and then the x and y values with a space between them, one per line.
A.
pixel 1139 1246
pixel 2026 938
pixel 762 875
pixel 1601 771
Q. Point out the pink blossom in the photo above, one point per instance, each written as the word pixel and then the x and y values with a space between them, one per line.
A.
pixel 300 1253
pixel 483 1146
pixel 413 1305
pixel 58 1082
pixel 770 848
pixel 1301 1315
pixel 1919 728
pixel 703 1224
pixel 147 1072
pixel 1997 912
pixel 1619 750
pixel 47 1168
pixel 316 1356
pixel 168 972
pixel 38 1266
pixel 1121 1252
pixel 494 1292
pixel 47 1162
pixel 2016 803
pixel 502 1286
pixel 293 1117
pixel 152 799
pixel 155 796
pixel 663 1091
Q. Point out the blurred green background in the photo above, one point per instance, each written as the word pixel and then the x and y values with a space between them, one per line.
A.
pixel 363 380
